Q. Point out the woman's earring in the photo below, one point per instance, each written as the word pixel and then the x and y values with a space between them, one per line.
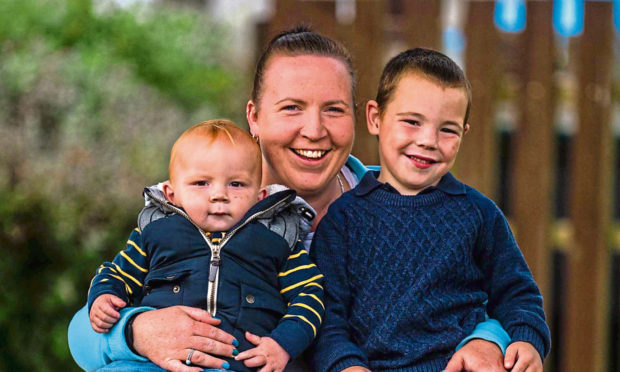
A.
pixel 255 137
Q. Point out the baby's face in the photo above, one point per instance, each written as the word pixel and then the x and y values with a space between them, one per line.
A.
pixel 216 183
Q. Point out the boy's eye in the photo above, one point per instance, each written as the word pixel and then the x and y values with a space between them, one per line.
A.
pixel 201 183
pixel 449 130
pixel 236 184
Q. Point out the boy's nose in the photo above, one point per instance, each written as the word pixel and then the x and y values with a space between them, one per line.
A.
pixel 427 138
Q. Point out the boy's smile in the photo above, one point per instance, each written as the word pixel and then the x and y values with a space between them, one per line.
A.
pixel 420 131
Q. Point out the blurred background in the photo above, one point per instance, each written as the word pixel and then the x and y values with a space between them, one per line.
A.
pixel 93 94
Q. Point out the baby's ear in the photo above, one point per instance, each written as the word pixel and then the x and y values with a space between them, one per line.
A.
pixel 262 194
pixel 168 191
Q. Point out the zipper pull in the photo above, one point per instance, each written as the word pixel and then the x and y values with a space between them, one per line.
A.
pixel 213 268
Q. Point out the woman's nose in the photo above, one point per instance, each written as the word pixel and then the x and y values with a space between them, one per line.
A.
pixel 312 126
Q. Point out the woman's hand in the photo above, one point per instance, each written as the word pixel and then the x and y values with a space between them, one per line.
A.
pixel 477 355
pixel 165 336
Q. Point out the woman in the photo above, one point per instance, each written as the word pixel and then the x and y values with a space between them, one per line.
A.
pixel 302 112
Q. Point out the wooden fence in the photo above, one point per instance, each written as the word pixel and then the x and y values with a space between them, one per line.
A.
pixel 558 187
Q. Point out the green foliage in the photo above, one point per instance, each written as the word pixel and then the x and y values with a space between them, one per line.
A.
pixel 91 98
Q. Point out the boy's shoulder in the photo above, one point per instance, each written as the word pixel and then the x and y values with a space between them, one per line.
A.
pixel 482 202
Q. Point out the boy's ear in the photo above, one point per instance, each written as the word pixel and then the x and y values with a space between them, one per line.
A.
pixel 251 114
pixel 373 117
pixel 262 194
pixel 169 191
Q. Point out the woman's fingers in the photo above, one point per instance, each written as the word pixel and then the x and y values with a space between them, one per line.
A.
pixel 174 365
pixel 164 334
pixel 210 332
pixel 199 315
pixel 201 359
pixel 210 346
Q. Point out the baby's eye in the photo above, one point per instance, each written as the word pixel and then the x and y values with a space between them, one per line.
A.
pixel 236 184
pixel 201 183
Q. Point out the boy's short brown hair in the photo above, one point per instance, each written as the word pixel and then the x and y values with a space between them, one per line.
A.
pixel 427 62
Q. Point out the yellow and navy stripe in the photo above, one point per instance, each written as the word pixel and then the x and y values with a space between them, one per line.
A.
pixel 301 285
pixel 129 267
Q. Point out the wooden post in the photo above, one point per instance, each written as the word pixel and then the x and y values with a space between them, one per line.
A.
pixel 533 156
pixel 477 157
pixel 364 39
pixel 320 15
pixel 589 259
pixel 420 21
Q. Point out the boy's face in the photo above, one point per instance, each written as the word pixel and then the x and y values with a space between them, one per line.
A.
pixel 216 183
pixel 419 132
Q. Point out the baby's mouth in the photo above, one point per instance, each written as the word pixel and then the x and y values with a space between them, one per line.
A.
pixel 311 154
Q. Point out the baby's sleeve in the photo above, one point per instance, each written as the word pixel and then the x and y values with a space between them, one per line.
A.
pixel 301 285
pixel 124 276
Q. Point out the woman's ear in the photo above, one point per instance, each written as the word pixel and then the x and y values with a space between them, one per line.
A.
pixel 169 191
pixel 465 128
pixel 373 117
pixel 251 114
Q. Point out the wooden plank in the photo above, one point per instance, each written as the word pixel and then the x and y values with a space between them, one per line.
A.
pixel 420 21
pixel 364 39
pixel 589 258
pixel 319 15
pixel 477 158
pixel 533 151
pixel 533 173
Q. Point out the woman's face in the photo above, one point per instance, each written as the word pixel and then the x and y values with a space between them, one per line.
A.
pixel 304 121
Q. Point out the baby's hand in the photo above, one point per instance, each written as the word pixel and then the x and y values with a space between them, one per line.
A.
pixel 267 353
pixel 521 356
pixel 104 312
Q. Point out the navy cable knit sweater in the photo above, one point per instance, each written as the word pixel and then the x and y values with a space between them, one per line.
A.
pixel 407 277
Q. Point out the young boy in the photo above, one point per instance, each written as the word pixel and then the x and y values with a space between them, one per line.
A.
pixel 412 257
pixel 213 252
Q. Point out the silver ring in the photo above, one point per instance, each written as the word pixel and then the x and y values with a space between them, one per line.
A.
pixel 188 360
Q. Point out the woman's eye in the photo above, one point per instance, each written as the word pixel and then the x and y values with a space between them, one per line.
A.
pixel 338 110
pixel 412 122
pixel 291 108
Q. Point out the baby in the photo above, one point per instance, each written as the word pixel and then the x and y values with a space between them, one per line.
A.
pixel 212 252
